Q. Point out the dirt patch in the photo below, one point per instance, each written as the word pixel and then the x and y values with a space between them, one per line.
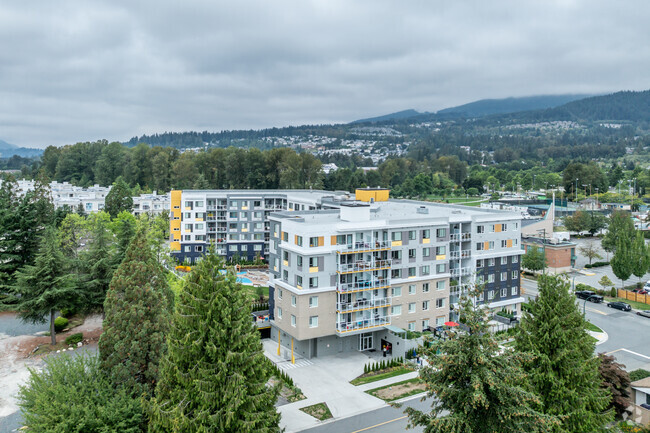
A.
pixel 320 411
pixel 396 391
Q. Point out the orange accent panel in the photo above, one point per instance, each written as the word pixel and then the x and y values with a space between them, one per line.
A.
pixel 333 240
pixel 509 243
pixel 498 227
pixel 486 245
pixel 321 241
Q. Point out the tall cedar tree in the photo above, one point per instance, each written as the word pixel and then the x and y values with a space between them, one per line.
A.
pixel 137 313
pixel 617 380
pixel 564 370
pixel 99 263
pixel 477 389
pixel 123 227
pixel 45 287
pixel 214 375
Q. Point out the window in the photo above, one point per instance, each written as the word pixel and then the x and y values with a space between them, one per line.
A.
pixel 198 203
pixel 480 229
pixel 440 303
pixel 233 237
pixel 515 259
pixel 257 215
pixel 198 226
pixel 425 324
pixel 412 253
pixel 188 215
pixel 412 272
pixel 441 268
pixel 187 248
pixel 285 255
pixel 441 233
pixel 313 321
pixel 412 289
pixel 491 245
pixel 491 228
pixel 299 240
pixel 411 235
pixel 298 280
pixel 285 275
pixel 481 296
pixel 233 214
pixel 188 227
pixel 198 248
pixel 397 291
pixel 426 234
pixel 279 313
pixel 411 326
pixel 396 236
pixel 425 305
pixel 490 262
pixel 293 300
pixel 504 260
pixel 504 292
pixel 396 273
pixel 299 261
pixel 440 321
pixel 440 285
pixel 257 203
pixel 188 204
pixel 515 275
pixel 189 238
pixel 479 263
pixel 395 310
pixel 293 320
pixel 313 262
pixel 396 255
pixel 425 287
pixel 257 236
pixel 285 236
pixel 514 290
pixel 480 279
pixel 491 278
pixel 313 301
pixel 504 227
pixel 199 237
pixel 425 270
pixel 515 242
pixel 504 276
pixel 234 203
pixel 426 252
pixel 313 242
pixel 313 282
pixel 504 244
pixel 232 248
pixel 412 307
pixel 490 295
pixel 280 294
pixel 479 246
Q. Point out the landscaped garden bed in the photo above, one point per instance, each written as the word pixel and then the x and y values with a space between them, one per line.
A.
pixel 398 390
pixel 385 373
pixel 320 411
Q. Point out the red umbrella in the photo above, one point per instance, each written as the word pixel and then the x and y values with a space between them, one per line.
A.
pixel 451 324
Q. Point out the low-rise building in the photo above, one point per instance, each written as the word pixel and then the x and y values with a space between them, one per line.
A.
pixel 560 255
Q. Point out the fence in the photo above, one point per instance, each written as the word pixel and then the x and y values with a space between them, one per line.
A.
pixel 632 296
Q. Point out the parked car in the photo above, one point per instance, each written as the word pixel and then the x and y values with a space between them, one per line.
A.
pixel 588 294
pixel 643 292
pixel 645 313
pixel 619 306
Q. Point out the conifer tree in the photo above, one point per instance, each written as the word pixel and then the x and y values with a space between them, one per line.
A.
pixel 136 318
pixel 475 388
pixel 99 263
pixel 45 287
pixel 564 370
pixel 124 227
pixel 214 375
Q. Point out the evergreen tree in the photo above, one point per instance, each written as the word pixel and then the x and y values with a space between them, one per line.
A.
pixel 477 389
pixel 119 199
pixel 45 287
pixel 136 320
pixel 623 260
pixel 214 375
pixel 99 263
pixel 564 370
pixel 124 227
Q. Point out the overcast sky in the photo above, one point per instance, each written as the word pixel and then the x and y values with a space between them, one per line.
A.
pixel 86 70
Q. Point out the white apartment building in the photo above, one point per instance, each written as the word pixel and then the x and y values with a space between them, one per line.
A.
pixel 352 276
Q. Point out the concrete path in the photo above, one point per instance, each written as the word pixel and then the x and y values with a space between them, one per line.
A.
pixel 327 379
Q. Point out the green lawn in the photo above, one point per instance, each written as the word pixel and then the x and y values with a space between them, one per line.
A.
pixel 252 291
pixel 320 411
pixel 591 327
pixel 398 390
pixel 633 304
pixel 370 377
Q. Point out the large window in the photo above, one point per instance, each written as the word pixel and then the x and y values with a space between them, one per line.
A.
pixel 313 301
pixel 397 291
pixel 412 289
pixel 313 321
pixel 425 305
pixel 412 307
pixel 313 282
pixel 396 236
pixel 396 310
pixel 441 233
pixel 440 303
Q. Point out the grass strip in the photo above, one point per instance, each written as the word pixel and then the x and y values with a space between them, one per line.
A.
pixel 591 327
pixel 368 378
pixel 320 411
pixel 396 395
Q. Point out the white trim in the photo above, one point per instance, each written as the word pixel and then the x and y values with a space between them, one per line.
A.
pixel 498 304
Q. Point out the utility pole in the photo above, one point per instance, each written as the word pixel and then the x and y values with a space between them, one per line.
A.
pixel 576 189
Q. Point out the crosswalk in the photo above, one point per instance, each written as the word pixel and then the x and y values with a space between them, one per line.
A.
pixel 287 365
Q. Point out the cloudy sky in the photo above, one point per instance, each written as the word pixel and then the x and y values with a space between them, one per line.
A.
pixel 85 70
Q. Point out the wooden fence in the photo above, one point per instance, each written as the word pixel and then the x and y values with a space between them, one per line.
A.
pixel 632 296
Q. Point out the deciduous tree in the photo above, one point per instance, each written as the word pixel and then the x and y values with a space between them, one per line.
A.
pixel 119 199
pixel 534 259
pixel 617 380
pixel 590 251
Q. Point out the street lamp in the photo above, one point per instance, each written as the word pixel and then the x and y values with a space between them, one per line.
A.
pixel 584 305
pixel 576 189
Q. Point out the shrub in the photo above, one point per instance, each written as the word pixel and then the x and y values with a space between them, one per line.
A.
pixel 74 339
pixel 60 323
pixel 68 312
pixel 639 374
pixel 613 292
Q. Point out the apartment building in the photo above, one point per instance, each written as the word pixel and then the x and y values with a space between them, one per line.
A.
pixel 236 221
pixel 353 276
pixel 152 204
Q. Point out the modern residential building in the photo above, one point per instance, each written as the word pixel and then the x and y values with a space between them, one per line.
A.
pixel 152 204
pixel 355 275
pixel 90 198
pixel 237 221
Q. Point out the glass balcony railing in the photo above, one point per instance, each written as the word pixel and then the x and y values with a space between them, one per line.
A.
pixel 362 304
pixel 361 324
pixel 457 272
pixel 359 286
pixel 358 247
pixel 362 266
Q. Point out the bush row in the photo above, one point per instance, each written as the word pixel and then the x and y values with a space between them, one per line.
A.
pixel 596 264
pixel 281 375
pixel 386 363
pixel 606 292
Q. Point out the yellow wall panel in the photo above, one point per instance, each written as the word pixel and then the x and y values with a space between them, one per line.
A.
pixel 333 240
pixel 321 241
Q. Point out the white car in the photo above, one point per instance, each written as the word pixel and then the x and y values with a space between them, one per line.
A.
pixel 647 286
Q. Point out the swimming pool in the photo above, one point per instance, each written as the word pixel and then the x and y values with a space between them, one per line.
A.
pixel 242 280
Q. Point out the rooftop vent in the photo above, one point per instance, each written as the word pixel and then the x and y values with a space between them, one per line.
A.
pixel 423 209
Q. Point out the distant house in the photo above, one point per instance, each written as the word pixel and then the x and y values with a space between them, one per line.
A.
pixel 616 206
pixel 589 204
pixel 641 400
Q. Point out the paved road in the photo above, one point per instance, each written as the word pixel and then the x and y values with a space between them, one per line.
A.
pixel 384 420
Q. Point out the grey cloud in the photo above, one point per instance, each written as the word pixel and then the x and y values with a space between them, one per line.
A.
pixel 76 71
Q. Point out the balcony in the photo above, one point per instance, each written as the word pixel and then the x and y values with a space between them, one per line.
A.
pixel 212 229
pixel 361 324
pixel 457 272
pixel 458 289
pixel 362 304
pixel 456 237
pixel 362 266
pixel 361 286
pixel 361 247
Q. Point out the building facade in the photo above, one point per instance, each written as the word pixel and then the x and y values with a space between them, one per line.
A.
pixel 350 277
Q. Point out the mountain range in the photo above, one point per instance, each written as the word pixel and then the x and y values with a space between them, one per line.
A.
pixel 7 150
